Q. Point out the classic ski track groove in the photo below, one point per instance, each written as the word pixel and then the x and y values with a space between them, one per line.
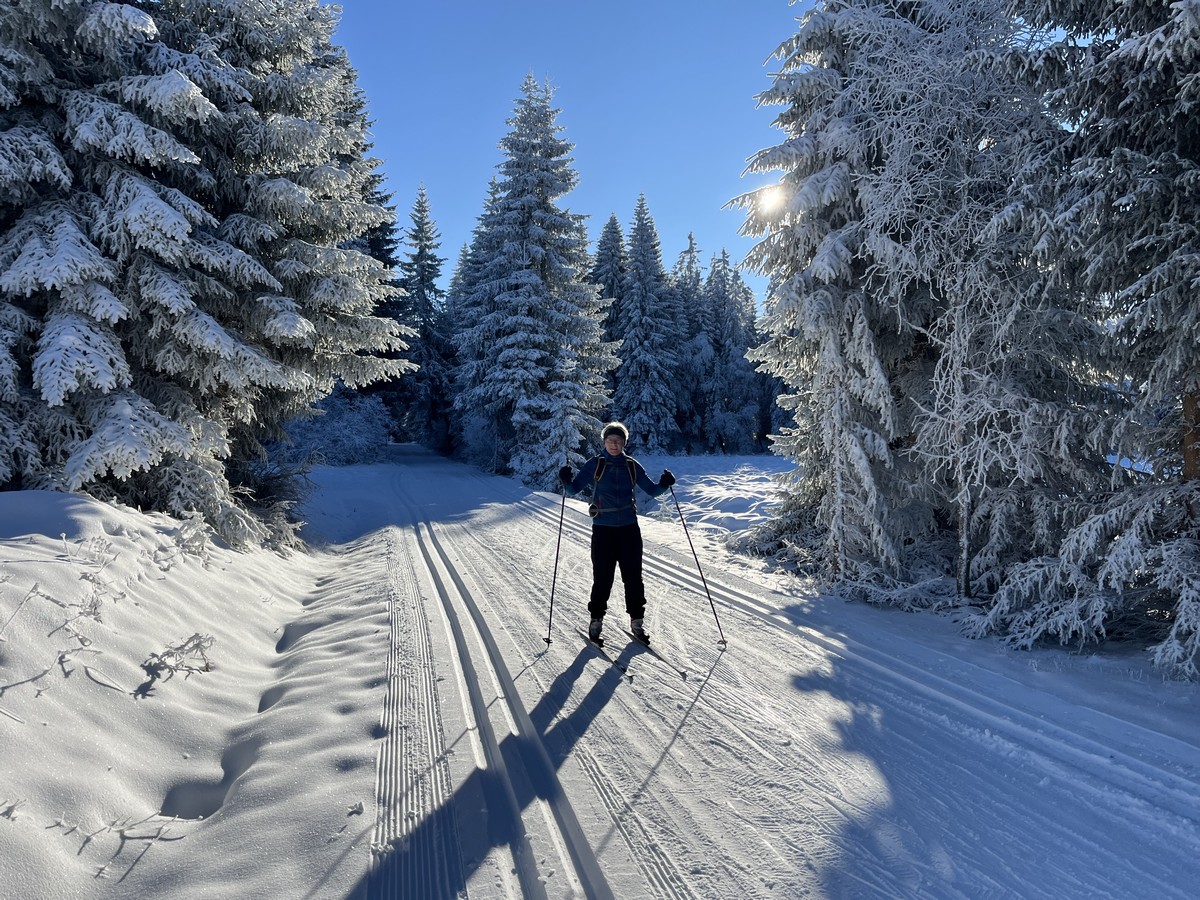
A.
pixel 1178 794
pixel 587 875
pixel 412 775
pixel 523 857
pixel 658 867
pixel 630 821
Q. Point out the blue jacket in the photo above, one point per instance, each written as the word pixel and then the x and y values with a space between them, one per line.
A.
pixel 612 493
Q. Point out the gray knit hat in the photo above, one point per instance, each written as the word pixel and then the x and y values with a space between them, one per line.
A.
pixel 614 428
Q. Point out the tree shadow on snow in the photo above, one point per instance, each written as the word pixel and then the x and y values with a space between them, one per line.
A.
pixel 410 485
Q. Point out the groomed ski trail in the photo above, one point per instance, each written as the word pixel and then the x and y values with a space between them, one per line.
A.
pixel 801 761
pixel 513 788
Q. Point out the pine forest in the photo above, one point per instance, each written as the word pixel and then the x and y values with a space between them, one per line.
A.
pixel 979 347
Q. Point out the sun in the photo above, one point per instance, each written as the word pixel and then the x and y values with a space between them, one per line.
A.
pixel 770 198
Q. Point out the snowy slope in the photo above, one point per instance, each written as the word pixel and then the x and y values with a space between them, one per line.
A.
pixel 383 717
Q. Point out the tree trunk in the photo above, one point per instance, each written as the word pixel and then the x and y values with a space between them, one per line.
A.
pixel 1191 447
pixel 964 543
pixel 1191 436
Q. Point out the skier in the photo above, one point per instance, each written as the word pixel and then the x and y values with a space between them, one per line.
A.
pixel 616 537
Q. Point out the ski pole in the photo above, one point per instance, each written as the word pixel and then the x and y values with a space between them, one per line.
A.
pixel 703 580
pixel 554 577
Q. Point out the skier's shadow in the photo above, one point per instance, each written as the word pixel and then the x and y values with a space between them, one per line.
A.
pixel 561 736
pixel 440 855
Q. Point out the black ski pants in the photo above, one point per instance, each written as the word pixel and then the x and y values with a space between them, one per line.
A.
pixel 614 545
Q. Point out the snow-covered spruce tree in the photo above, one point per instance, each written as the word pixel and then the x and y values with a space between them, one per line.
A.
pixel 174 192
pixel 608 274
pixel 903 324
pixel 425 396
pixel 695 359
pixel 381 242
pixel 309 180
pixel 451 319
pixel 842 344
pixel 1121 222
pixel 646 396
pixel 322 432
pixel 731 389
pixel 470 311
pixel 1004 435
pixel 534 362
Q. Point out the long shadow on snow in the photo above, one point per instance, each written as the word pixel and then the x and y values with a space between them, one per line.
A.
pixel 943 823
pixel 438 858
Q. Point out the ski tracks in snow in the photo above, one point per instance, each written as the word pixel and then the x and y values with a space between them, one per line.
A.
pixel 800 762
pixel 414 782
pixel 529 830
pixel 860 808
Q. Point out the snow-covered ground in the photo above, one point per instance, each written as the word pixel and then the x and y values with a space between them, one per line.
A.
pixel 383 717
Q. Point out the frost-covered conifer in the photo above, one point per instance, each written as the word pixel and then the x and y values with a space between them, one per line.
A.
pixel 425 396
pixel 470 304
pixel 381 242
pixel 646 395
pixel 608 273
pixel 532 361
pixel 833 337
pixel 695 360
pixel 886 265
pixel 1119 220
pixel 1001 443
pixel 177 185
pixel 731 391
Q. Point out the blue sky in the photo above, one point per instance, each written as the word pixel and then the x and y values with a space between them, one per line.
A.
pixel 657 96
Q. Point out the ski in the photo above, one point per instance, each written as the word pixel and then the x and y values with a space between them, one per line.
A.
pixel 649 649
pixel 608 657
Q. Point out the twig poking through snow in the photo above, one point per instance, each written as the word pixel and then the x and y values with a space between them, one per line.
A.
pixel 162 666
pixel 103 680
pixel 33 590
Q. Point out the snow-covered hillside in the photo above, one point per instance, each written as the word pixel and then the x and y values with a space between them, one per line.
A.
pixel 383 717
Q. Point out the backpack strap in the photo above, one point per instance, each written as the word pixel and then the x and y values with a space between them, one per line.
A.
pixel 601 463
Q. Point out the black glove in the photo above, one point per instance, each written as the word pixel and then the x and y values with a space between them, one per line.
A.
pixel 666 479
pixel 565 475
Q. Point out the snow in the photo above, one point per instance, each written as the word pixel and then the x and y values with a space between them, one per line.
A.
pixel 179 719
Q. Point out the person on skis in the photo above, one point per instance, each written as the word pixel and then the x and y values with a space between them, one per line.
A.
pixel 616 537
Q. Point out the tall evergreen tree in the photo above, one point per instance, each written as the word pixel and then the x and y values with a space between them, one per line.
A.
pixel 382 241
pixel 471 307
pixel 1120 220
pixel 533 363
pixel 731 391
pixel 645 395
pixel 426 394
pixel 886 262
pixel 833 340
pixel 696 358
pixel 178 189
pixel 608 274
pixel 458 281
pixel 1002 440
